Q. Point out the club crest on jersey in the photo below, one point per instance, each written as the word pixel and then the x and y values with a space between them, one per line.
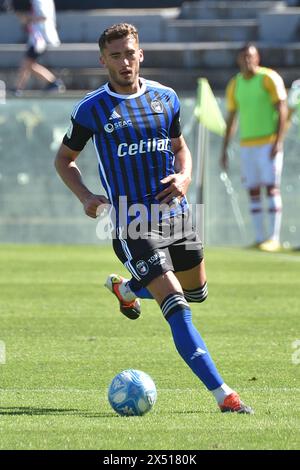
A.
pixel 114 126
pixel 157 106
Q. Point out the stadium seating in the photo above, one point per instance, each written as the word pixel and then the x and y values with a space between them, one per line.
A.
pixel 181 43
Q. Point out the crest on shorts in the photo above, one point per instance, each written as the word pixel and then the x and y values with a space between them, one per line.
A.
pixel 157 106
pixel 142 267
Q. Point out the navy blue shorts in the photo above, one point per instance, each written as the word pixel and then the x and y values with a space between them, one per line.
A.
pixel 32 53
pixel 172 246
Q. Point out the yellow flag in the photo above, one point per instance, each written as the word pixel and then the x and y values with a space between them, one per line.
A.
pixel 207 109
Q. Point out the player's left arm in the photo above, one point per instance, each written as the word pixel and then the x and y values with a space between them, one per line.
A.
pixel 179 182
pixel 275 86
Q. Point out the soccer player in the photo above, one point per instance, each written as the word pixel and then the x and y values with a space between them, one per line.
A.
pixel 258 95
pixel 39 19
pixel 145 167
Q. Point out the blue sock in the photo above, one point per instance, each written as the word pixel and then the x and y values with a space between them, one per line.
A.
pixel 141 292
pixel 188 341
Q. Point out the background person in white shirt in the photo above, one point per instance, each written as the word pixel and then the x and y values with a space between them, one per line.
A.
pixel 39 19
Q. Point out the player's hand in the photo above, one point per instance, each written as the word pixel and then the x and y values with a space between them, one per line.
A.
pixel 224 160
pixel 92 205
pixel 276 148
pixel 177 187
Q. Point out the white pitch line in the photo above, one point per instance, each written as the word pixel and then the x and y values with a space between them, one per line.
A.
pixel 176 390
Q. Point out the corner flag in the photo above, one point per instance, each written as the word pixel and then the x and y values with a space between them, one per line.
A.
pixel 207 110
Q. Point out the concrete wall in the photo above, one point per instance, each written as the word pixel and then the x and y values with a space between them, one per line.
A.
pixel 283 27
pixel 94 4
pixel 173 44
pixel 87 27
pixel 205 55
pixel 74 27
pixel 209 9
pixel 217 22
pixel 10 29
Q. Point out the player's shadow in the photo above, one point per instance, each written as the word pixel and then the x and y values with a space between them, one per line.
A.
pixel 32 411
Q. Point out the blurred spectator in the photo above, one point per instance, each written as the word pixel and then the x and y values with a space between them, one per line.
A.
pixel 39 20
pixel 258 96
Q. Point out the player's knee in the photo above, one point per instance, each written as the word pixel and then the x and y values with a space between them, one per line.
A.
pixel 196 295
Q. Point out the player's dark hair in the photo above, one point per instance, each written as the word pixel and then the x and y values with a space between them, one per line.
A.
pixel 117 31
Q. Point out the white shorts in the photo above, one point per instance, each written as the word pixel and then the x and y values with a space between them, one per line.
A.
pixel 258 168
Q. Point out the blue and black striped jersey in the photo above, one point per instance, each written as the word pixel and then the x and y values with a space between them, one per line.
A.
pixel 131 136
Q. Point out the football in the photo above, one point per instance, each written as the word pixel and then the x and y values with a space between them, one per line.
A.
pixel 132 393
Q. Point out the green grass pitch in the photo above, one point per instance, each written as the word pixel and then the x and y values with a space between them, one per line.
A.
pixel 65 340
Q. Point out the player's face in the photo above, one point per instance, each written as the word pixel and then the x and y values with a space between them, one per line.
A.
pixel 122 58
pixel 248 61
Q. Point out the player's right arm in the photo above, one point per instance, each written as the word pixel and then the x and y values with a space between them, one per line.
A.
pixel 79 132
pixel 70 174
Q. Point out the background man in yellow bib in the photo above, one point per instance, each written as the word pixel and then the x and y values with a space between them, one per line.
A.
pixel 257 94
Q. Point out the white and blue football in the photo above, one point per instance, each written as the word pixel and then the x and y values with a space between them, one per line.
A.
pixel 132 393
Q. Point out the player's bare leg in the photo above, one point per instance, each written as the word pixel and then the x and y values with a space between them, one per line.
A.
pixel 43 73
pixel 193 282
pixel 28 67
pixel 24 73
pixel 192 278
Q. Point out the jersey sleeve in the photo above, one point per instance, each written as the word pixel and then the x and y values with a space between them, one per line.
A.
pixel 77 136
pixel 231 103
pixel 275 86
pixel 175 128
pixel 80 129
